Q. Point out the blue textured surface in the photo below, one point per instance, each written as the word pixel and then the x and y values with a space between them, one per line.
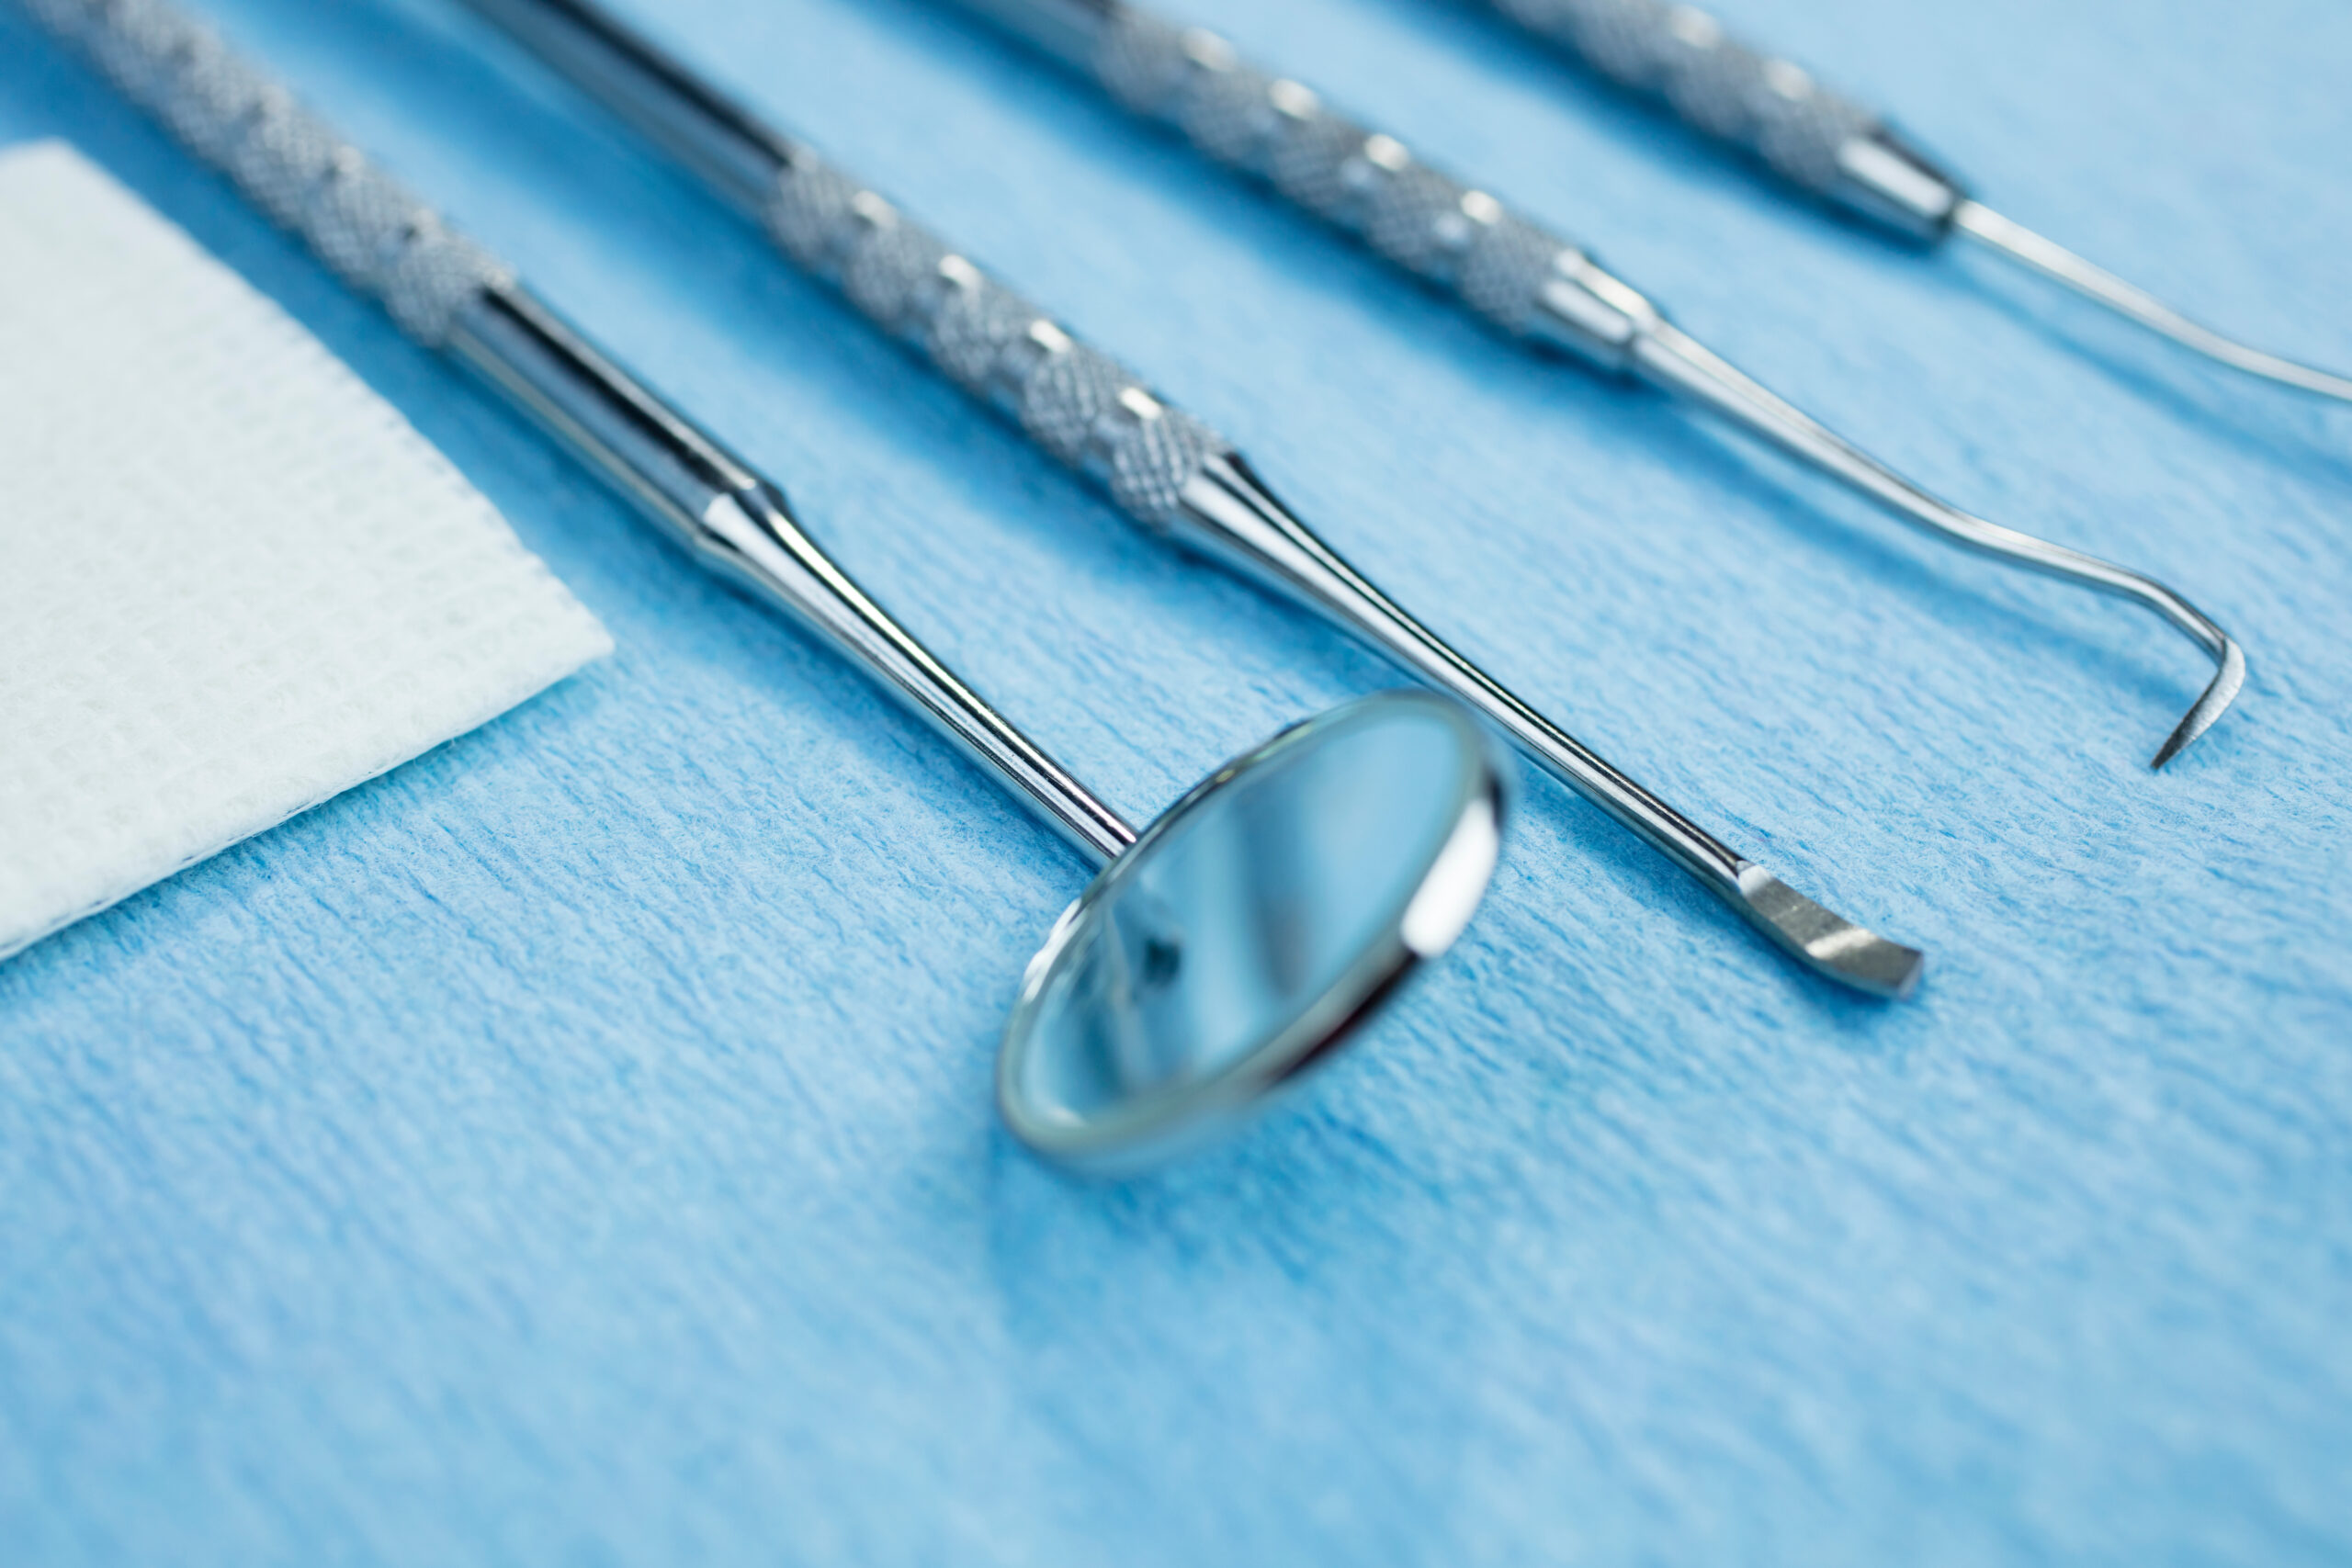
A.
pixel 575 1147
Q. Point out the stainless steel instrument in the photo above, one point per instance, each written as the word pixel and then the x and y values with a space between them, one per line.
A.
pixel 1169 472
pixel 1516 276
pixel 1823 144
pixel 1236 941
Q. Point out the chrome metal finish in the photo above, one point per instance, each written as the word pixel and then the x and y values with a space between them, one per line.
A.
pixel 739 525
pixel 1229 514
pixel 1836 148
pixel 1169 472
pixel 1264 951
pixel 1587 312
pixel 1541 289
pixel 728 150
pixel 1883 177
pixel 1671 358
pixel 2053 261
pixel 1243 939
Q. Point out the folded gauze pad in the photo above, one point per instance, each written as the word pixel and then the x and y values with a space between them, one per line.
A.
pixel 233 581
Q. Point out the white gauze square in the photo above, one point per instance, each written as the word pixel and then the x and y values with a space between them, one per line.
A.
pixel 233 581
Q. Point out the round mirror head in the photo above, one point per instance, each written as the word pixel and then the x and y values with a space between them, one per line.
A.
pixel 1251 928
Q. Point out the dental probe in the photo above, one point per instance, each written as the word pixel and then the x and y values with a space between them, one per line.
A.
pixel 1232 944
pixel 1168 471
pixel 1536 288
pixel 1837 148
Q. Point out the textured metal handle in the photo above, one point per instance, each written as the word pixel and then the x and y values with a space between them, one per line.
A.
pixel 1079 404
pixel 1364 181
pixel 1773 108
pixel 1715 83
pixel 451 296
pixel 365 225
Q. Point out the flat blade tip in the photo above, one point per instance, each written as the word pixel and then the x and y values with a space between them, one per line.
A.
pixel 1827 942
pixel 1884 968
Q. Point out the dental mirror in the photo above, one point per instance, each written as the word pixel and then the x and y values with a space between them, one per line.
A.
pixel 1251 928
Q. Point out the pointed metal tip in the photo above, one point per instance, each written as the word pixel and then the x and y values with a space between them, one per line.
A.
pixel 1827 942
pixel 2218 697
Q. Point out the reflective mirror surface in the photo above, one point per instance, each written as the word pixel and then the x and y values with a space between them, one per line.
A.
pixel 1250 929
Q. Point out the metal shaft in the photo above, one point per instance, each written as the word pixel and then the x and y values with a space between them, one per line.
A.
pixel 1166 470
pixel 739 525
pixel 1829 145
pixel 1528 282
pixel 1979 222
pixel 449 295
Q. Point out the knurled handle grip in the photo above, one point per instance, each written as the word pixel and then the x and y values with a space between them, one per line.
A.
pixel 1365 182
pixel 365 225
pixel 1080 405
pixel 1713 83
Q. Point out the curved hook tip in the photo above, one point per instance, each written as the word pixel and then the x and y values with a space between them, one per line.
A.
pixel 2218 697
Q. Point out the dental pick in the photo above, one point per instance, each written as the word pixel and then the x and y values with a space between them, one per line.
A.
pixel 1534 287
